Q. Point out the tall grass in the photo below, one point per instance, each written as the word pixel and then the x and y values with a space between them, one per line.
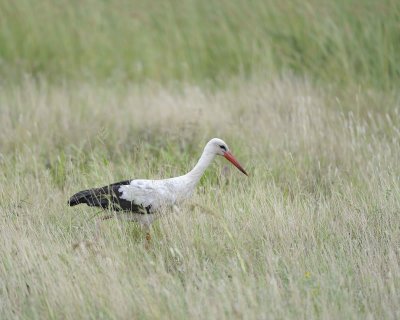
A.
pixel 333 42
pixel 312 233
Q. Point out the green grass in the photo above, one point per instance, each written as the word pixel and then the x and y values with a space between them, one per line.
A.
pixel 332 42
pixel 312 233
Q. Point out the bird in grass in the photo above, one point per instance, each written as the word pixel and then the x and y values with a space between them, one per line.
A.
pixel 140 200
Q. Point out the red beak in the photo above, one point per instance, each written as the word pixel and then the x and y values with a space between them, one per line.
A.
pixel 229 156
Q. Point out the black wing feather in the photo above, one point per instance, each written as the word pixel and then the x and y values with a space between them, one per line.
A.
pixel 108 197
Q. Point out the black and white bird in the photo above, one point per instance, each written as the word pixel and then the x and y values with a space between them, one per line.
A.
pixel 143 199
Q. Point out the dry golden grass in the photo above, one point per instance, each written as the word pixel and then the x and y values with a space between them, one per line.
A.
pixel 314 232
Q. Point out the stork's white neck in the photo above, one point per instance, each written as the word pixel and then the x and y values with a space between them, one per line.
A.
pixel 205 160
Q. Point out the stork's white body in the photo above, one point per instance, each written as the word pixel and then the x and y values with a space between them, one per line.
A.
pixel 165 193
pixel 158 193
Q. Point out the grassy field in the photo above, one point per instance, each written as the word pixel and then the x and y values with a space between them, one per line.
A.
pixel 202 41
pixel 306 93
pixel 314 232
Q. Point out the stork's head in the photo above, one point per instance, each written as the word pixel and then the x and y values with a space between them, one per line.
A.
pixel 219 147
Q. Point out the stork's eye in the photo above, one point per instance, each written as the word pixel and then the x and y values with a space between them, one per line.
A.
pixel 222 147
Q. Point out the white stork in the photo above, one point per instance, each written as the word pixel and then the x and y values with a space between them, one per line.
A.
pixel 142 199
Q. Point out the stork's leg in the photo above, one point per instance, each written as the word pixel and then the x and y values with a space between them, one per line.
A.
pixel 148 236
pixel 147 244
